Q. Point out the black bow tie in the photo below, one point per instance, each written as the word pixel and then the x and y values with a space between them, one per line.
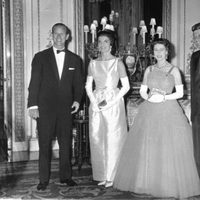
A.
pixel 58 51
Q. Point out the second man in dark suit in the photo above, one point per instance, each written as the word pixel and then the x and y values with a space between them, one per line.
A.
pixel 195 93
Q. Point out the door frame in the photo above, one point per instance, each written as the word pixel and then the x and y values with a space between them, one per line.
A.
pixel 7 88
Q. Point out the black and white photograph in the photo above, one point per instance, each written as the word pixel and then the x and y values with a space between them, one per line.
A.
pixel 100 99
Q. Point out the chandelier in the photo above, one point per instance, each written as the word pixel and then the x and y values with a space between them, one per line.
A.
pixel 110 23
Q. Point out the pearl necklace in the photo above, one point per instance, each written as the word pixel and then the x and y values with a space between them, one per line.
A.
pixel 162 66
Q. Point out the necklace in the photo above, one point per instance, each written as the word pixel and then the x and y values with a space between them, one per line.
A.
pixel 161 66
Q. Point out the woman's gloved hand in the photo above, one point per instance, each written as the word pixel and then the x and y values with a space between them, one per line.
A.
pixel 156 98
pixel 106 105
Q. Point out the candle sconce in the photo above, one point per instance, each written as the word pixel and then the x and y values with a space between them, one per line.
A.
pixel 90 39
pixel 136 58
pixel 138 54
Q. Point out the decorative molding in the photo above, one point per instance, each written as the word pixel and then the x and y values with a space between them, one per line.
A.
pixel 79 20
pixel 194 43
pixel 61 11
pixel 187 59
pixel 18 71
pixel 6 35
pixel 184 38
pixel 38 12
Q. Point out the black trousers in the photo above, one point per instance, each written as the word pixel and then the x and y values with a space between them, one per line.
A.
pixel 48 128
pixel 196 140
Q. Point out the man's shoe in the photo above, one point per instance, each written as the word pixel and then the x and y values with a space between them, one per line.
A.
pixel 42 186
pixel 68 182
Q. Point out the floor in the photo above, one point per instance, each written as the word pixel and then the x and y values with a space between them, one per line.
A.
pixel 19 180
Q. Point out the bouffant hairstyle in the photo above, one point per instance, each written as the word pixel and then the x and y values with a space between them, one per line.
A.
pixel 164 42
pixel 111 36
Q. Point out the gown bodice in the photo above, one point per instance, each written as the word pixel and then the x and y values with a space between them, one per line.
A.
pixel 105 73
pixel 160 80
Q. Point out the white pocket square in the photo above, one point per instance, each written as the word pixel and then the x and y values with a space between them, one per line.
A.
pixel 71 68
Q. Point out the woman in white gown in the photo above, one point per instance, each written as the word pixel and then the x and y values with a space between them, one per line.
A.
pixel 107 117
pixel 157 158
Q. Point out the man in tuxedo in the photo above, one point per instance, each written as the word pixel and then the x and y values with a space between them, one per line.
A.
pixel 195 93
pixel 55 92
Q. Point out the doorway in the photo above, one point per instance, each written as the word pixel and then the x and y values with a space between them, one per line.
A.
pixel 153 9
pixel 3 138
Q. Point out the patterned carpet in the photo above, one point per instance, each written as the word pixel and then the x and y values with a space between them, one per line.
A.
pixel 19 181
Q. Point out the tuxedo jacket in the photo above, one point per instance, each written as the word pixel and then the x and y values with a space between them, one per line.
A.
pixel 50 93
pixel 195 84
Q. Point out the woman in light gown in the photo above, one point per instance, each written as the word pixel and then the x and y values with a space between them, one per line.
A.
pixel 107 117
pixel 157 158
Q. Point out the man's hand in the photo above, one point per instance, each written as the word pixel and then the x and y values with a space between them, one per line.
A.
pixel 34 113
pixel 75 107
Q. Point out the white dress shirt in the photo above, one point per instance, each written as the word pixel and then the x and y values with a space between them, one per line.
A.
pixel 59 60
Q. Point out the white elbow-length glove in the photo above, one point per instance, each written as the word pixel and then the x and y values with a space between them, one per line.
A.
pixel 89 91
pixel 143 91
pixel 124 89
pixel 177 94
pixel 158 97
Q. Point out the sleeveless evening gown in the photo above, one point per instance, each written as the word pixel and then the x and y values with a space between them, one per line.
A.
pixel 107 129
pixel 157 158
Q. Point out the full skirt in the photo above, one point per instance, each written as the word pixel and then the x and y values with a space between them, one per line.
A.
pixel 157 158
